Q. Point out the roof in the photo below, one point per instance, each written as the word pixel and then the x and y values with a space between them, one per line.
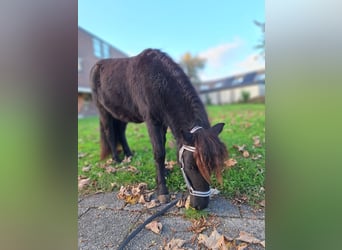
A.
pixel 240 80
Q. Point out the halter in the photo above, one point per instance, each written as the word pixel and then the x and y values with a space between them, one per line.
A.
pixel 188 184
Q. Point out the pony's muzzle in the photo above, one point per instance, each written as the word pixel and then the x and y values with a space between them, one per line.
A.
pixel 199 203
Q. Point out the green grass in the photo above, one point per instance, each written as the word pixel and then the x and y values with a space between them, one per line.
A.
pixel 243 181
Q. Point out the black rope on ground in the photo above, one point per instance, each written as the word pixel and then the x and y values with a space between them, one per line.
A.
pixel 138 229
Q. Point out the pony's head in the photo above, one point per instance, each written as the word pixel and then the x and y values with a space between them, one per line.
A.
pixel 202 155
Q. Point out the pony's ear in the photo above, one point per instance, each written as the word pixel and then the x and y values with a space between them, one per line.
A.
pixel 217 128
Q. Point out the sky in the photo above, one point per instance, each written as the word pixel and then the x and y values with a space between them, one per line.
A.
pixel 221 31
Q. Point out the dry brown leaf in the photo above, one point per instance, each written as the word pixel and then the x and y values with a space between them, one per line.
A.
pixel 170 164
pixel 187 202
pixel 174 244
pixel 198 226
pixel 213 192
pixel 230 162
pixel 262 203
pixel 82 183
pixel 262 243
pixel 127 159
pixel 131 169
pixel 256 157
pixel 154 226
pixel 110 169
pixel 81 155
pixel 245 154
pixel 249 238
pixel 242 246
pixel 216 241
pixel 240 148
pixel 109 161
pixel 256 142
pixel 181 203
pixel 131 199
pixel 152 204
pixel 86 169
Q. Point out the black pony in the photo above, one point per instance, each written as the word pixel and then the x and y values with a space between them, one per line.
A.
pixel 152 88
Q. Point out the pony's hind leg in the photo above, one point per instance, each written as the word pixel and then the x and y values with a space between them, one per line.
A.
pixel 122 138
pixel 108 136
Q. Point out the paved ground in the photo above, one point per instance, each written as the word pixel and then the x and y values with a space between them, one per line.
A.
pixel 104 222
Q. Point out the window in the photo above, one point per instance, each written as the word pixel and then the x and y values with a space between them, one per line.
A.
pixel 105 50
pixel 237 81
pixel 260 77
pixel 97 47
pixel 204 87
pixel 79 64
pixel 218 85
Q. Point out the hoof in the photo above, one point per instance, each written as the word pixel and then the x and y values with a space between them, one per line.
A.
pixel 164 198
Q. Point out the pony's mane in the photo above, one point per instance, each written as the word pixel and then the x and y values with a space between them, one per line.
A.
pixel 174 71
pixel 210 154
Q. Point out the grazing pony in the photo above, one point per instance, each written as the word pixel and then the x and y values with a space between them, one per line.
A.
pixel 152 88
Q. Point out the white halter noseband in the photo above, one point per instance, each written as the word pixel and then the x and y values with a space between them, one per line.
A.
pixel 188 184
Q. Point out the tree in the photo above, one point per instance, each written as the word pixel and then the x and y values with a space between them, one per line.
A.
pixel 191 65
pixel 261 45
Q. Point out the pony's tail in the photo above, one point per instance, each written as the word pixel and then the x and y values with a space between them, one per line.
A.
pixel 94 78
pixel 105 148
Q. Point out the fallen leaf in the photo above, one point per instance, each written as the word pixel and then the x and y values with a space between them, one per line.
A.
pixel 170 164
pixel 142 199
pixel 152 204
pixel 131 199
pixel 240 148
pixel 249 238
pixel 187 202
pixel 262 203
pixel 245 154
pixel 110 169
pixel 86 169
pixel 109 161
pixel 102 207
pixel 198 226
pixel 262 243
pixel 132 169
pixel 242 246
pixel 174 244
pixel 81 155
pixel 256 142
pixel 127 159
pixel 216 241
pixel 256 157
pixel 82 183
pixel 213 192
pixel 154 226
pixel 181 203
pixel 230 162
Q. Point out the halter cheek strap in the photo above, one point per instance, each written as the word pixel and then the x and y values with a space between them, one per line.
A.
pixel 188 184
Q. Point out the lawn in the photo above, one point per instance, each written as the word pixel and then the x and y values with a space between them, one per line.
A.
pixel 243 134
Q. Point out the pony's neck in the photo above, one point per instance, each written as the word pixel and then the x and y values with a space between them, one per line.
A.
pixel 187 120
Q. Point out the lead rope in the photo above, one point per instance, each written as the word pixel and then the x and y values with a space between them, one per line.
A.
pixel 138 229
pixel 161 212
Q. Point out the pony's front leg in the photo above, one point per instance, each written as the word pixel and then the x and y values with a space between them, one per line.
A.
pixel 158 139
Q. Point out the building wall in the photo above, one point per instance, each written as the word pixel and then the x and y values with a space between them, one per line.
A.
pixel 90 49
pixel 232 95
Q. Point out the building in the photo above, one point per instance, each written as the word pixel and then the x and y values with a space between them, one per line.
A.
pixel 90 49
pixel 231 89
